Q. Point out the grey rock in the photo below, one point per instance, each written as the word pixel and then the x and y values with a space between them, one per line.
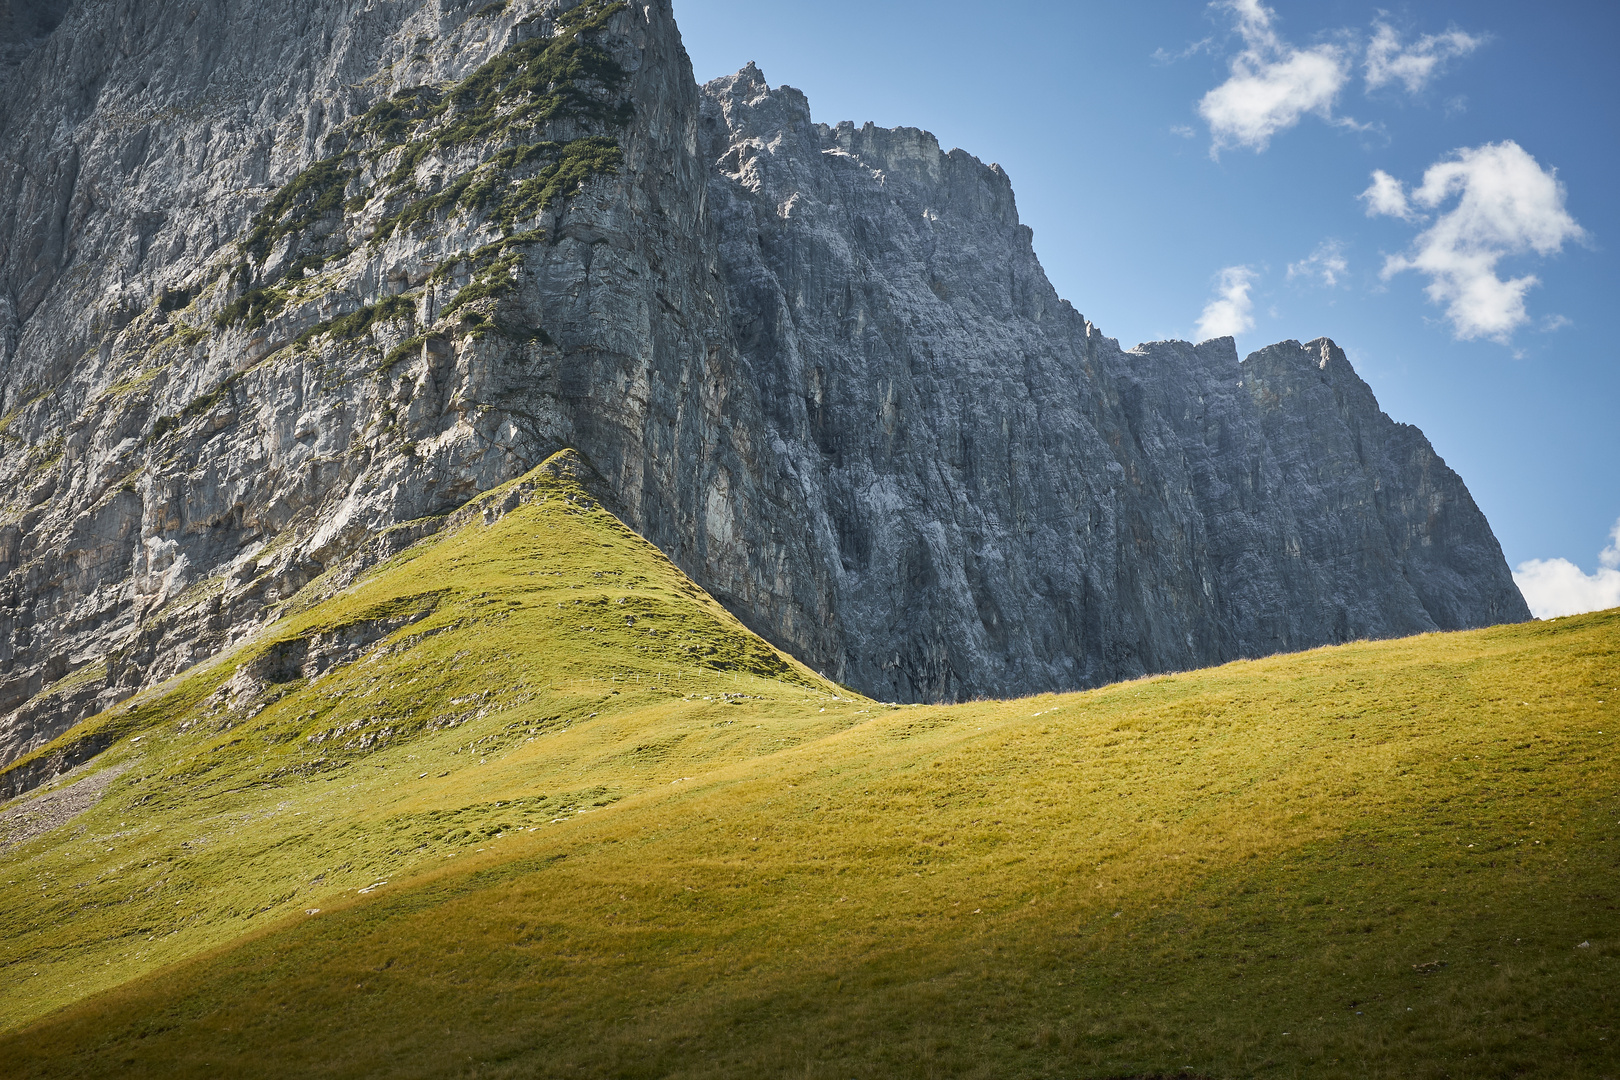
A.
pixel 1002 499
pixel 24 24
pixel 819 366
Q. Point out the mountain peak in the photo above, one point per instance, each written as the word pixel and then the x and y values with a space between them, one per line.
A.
pixel 819 366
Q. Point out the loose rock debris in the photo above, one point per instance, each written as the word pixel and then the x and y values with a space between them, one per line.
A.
pixel 31 817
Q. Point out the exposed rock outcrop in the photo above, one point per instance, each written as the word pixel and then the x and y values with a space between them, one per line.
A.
pixel 282 286
pixel 1002 498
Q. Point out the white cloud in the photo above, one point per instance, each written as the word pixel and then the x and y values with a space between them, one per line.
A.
pixel 1183 131
pixel 1326 264
pixel 1554 587
pixel 1273 84
pixel 1414 65
pixel 1386 196
pixel 1507 204
pixel 1231 312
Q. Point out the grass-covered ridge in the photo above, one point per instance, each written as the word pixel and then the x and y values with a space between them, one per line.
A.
pixel 490 639
pixel 622 837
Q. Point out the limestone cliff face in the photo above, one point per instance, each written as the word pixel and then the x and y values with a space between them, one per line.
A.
pixel 282 281
pixel 1002 498
pixel 279 287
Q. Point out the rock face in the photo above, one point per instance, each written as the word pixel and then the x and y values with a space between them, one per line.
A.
pixel 283 286
pixel 1006 500
pixel 24 24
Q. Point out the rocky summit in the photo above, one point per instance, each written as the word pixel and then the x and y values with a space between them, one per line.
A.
pixel 283 286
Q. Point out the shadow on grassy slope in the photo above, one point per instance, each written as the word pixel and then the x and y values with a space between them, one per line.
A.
pixel 1380 859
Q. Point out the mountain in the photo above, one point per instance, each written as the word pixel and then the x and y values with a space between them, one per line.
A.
pixel 1000 499
pixel 283 288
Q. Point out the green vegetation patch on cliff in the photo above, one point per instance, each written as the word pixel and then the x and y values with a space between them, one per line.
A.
pixel 360 322
pixel 566 76
pixel 535 81
pixel 491 282
pixel 493 267
pixel 562 178
pixel 314 193
pixel 403 351
pixel 258 304
pixel 392 119
pixel 511 200
pixel 253 308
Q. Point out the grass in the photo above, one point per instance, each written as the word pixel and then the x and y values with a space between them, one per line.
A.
pixel 360 322
pixel 406 349
pixel 314 193
pixel 621 836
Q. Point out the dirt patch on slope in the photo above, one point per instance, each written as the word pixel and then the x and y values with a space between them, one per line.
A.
pixel 28 818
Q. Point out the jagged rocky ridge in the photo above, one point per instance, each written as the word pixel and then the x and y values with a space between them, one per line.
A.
pixel 283 287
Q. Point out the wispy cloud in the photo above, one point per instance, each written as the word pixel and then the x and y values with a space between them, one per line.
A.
pixel 1231 311
pixel 1554 587
pixel 1325 266
pixel 1417 64
pixel 1166 57
pixel 1274 84
pixel 1506 204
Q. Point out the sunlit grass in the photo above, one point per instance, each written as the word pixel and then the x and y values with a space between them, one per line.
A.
pixel 544 666
pixel 1374 860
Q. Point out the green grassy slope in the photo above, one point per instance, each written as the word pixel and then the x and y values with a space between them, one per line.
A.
pixel 540 665
pixel 1375 860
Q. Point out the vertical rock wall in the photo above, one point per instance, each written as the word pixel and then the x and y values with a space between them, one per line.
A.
pixel 1004 500
pixel 283 285
pixel 231 357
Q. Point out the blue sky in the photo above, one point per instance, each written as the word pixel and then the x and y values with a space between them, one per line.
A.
pixel 1168 154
